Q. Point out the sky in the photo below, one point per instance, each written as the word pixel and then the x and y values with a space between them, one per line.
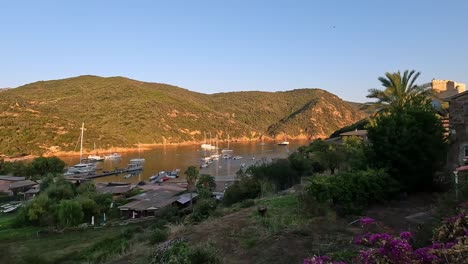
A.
pixel 226 45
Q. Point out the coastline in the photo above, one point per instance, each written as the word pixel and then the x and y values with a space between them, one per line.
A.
pixel 142 146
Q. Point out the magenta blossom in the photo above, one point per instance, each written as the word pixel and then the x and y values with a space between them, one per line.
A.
pixel 366 221
pixel 405 235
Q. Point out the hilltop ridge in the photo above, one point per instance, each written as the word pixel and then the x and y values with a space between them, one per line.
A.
pixel 45 116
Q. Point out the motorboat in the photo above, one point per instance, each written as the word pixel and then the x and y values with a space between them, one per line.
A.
pixel 284 143
pixel 237 158
pixel 134 167
pixel 113 156
pixel 81 168
pixel 137 161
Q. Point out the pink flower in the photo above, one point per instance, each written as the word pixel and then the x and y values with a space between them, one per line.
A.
pixel 366 221
pixel 405 235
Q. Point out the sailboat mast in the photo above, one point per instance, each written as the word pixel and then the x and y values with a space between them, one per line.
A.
pixel 228 141
pixel 81 144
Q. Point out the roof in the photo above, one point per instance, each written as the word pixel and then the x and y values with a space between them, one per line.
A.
pixel 355 133
pixel 33 191
pixel 20 184
pixel 11 178
pixel 148 205
pixel 115 189
pixel 450 98
pixel 185 198
pixel 462 168
pixel 151 200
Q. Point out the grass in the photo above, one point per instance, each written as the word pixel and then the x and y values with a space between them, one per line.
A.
pixel 92 245
pixel 283 212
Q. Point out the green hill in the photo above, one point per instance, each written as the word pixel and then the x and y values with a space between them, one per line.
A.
pixel 118 112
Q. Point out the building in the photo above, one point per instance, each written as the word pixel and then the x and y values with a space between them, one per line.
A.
pixel 458 130
pixel 22 186
pixel 6 180
pixel 447 88
pixel 356 133
pixel 149 203
pixel 116 189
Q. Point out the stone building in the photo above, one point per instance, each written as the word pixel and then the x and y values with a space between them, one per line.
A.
pixel 458 130
pixel 447 88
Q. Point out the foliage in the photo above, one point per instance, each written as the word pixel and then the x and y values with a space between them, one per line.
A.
pixel 350 192
pixel 155 113
pixel 449 245
pixel 245 188
pixel 279 172
pixel 401 91
pixel 359 125
pixel 38 168
pixel 61 204
pixel 203 208
pixel 41 166
pixel 70 213
pixel 206 181
pixel 182 253
pixel 158 236
pixel 410 144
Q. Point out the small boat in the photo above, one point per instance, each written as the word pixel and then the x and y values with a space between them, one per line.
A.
pixel 165 178
pixel 237 158
pixel 137 161
pixel 134 167
pixel 204 165
pixel 81 168
pixel 95 157
pixel 128 176
pixel 284 143
pixel 113 156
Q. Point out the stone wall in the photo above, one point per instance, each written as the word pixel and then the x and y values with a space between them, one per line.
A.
pixel 447 88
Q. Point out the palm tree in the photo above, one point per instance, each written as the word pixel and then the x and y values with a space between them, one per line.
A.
pixel 191 176
pixel 400 91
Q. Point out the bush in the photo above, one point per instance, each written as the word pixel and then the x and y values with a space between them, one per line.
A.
pixel 158 236
pixel 279 172
pixel 181 253
pixel 246 188
pixel 247 203
pixel 350 192
pixel 203 208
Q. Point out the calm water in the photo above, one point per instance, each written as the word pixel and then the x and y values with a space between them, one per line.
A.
pixel 180 157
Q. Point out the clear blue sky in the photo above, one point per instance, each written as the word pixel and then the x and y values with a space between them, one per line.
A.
pixel 216 46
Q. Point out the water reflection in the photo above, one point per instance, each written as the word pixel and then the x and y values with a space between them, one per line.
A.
pixel 170 157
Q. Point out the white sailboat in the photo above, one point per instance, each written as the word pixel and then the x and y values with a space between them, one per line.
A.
pixel 81 167
pixel 208 146
pixel 95 157
pixel 228 150
pixel 138 160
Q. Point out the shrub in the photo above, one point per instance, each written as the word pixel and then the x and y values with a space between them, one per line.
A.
pixel 350 192
pixel 247 203
pixel 158 236
pixel 203 208
pixel 246 188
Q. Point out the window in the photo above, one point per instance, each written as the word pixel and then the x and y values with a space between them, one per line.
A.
pixel 466 151
pixel 465 108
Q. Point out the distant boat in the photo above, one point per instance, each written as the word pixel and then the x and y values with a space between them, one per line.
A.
pixel 138 160
pixel 134 167
pixel 207 146
pixel 113 156
pixel 237 158
pixel 228 150
pixel 284 143
pixel 95 157
pixel 81 167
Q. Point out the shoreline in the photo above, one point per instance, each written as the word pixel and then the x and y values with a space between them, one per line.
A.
pixel 133 149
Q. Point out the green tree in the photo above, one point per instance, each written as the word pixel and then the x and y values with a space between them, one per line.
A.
pixel 410 144
pixel 70 213
pixel 191 175
pixel 400 91
pixel 41 166
pixel 207 182
pixel 331 157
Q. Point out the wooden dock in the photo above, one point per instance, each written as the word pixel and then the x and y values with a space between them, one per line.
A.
pixel 97 175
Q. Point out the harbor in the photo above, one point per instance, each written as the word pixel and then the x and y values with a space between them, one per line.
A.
pixel 170 158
